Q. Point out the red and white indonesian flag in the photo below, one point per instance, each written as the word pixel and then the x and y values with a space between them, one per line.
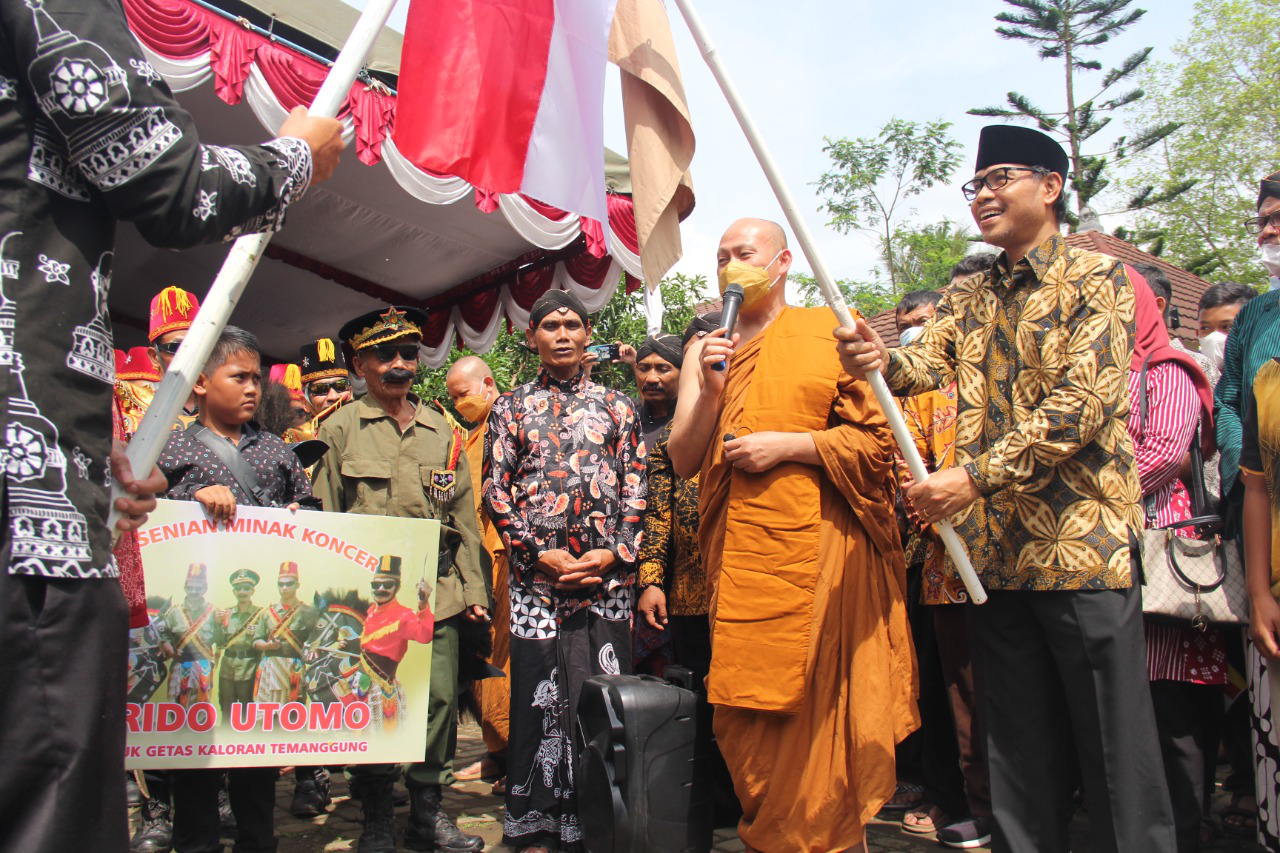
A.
pixel 509 95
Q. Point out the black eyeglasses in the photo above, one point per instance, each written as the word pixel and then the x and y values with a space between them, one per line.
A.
pixel 997 179
pixel 383 585
pixel 1258 224
pixel 388 352
pixel 171 348
pixel 322 389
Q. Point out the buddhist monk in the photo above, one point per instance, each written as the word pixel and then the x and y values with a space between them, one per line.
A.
pixel 812 669
pixel 471 387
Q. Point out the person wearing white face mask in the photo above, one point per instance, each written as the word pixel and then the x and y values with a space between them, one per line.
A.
pixel 1253 342
pixel 1219 306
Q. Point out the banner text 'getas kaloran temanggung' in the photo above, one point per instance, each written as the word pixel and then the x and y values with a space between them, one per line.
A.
pixel 262 648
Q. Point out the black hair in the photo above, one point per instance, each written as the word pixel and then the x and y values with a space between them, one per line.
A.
pixel 913 299
pixel 232 340
pixel 1060 204
pixel 1159 282
pixel 970 264
pixel 1226 293
pixel 275 408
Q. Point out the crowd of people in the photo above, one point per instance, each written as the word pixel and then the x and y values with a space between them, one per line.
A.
pixel 747 515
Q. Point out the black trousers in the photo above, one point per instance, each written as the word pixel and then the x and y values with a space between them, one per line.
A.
pixel 1189 725
pixel 63 671
pixel 691 639
pixel 1062 678
pixel 252 791
pixel 939 751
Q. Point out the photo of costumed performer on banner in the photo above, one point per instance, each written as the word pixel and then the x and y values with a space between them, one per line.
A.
pixel 388 629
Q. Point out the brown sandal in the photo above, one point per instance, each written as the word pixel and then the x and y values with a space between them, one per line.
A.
pixel 924 819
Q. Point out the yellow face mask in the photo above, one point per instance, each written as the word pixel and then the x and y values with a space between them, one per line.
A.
pixel 473 407
pixel 755 281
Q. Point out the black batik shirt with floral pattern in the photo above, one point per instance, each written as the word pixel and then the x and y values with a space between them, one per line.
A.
pixel 565 469
pixel 90 134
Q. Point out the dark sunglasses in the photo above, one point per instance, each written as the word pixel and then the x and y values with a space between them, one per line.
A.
pixel 171 348
pixel 322 389
pixel 383 585
pixel 388 352
pixel 242 587
pixel 283 584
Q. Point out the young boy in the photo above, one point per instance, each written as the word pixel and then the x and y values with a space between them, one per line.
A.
pixel 223 460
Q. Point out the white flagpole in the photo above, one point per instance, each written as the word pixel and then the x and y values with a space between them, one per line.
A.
pixel 955 548
pixel 242 260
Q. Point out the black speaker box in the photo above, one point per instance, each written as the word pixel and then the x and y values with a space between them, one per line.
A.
pixel 643 778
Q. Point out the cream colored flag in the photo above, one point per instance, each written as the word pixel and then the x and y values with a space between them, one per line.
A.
pixel 660 139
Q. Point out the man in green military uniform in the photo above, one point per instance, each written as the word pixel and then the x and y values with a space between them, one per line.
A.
pixel 237 626
pixel 389 454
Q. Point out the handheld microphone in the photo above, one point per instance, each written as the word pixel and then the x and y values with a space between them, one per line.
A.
pixel 732 301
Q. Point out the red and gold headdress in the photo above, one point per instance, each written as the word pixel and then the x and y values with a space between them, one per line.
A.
pixel 172 310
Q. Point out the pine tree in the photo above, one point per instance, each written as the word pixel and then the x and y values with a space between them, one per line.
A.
pixel 1067 30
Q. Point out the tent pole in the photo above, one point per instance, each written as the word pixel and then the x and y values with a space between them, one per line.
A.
pixel 242 260
pixel 955 548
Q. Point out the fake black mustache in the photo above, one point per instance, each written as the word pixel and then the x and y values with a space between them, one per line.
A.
pixel 397 376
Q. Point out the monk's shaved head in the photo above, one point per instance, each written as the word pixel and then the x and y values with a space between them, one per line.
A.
pixel 467 377
pixel 763 233
pixel 469 368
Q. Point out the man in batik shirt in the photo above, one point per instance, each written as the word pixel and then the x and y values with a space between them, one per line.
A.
pixel 565 486
pixel 282 635
pixel 189 630
pixel 1045 494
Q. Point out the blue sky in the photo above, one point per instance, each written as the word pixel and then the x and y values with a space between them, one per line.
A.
pixel 815 68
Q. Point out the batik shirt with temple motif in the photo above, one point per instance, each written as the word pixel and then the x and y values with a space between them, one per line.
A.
pixel 565 469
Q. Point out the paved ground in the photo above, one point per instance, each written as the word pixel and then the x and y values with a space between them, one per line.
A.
pixel 481 813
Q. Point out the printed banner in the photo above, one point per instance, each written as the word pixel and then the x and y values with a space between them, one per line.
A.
pixel 283 639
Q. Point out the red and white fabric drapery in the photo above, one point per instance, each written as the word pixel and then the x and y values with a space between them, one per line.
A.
pixel 190 45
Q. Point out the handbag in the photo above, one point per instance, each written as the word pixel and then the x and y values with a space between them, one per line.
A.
pixel 1199 581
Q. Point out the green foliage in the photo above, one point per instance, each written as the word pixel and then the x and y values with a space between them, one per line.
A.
pixel 1064 29
pixel 1224 90
pixel 922 256
pixel 925 254
pixel 622 319
pixel 873 176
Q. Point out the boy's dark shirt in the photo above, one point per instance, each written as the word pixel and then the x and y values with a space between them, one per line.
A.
pixel 191 466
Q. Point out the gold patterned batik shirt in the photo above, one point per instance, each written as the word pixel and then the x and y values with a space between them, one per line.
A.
pixel 669 554
pixel 1040 354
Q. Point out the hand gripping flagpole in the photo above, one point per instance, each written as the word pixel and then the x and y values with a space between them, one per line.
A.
pixel 242 260
pixel 955 548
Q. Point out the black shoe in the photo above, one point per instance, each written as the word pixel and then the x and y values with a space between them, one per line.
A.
pixel 155 833
pixel 226 818
pixel 430 830
pixel 308 799
pixel 379 834
pixel 132 793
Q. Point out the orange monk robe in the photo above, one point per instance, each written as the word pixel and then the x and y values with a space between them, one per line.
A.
pixel 493 694
pixel 812 671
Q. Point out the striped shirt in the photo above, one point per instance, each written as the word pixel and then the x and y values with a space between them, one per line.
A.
pixel 1161 443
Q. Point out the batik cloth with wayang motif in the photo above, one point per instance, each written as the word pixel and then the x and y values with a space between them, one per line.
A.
pixel 1040 351
pixel 90 134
